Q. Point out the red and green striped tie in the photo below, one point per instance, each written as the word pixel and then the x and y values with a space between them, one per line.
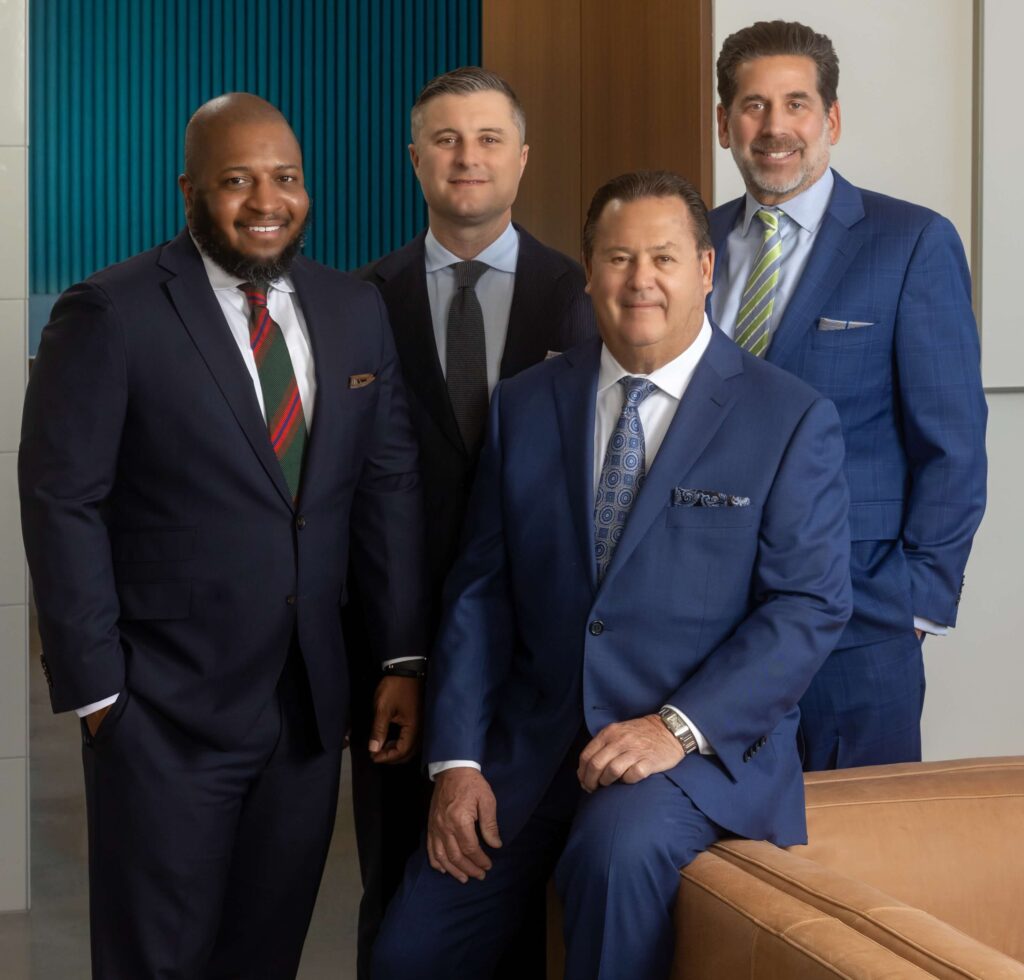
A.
pixel 286 422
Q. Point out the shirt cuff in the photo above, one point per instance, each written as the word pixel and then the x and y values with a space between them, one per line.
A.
pixel 702 743
pixel 399 660
pixel 436 768
pixel 920 623
pixel 95 706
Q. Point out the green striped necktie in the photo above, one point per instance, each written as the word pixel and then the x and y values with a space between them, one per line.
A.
pixel 286 422
pixel 755 314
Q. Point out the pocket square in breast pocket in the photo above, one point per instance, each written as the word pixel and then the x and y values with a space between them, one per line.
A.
pixel 826 324
pixel 684 497
pixel 361 380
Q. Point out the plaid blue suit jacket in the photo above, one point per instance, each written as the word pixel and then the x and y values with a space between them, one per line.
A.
pixel 905 377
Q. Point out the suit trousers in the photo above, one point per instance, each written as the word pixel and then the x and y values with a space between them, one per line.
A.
pixel 204 862
pixel 863 707
pixel 616 855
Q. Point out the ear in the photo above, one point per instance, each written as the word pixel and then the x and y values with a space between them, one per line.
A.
pixel 414 157
pixel 586 270
pixel 723 126
pixel 835 123
pixel 187 191
pixel 524 153
pixel 707 270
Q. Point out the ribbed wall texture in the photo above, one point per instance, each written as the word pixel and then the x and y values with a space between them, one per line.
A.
pixel 113 83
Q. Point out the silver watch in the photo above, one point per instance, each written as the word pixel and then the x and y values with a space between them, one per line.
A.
pixel 675 724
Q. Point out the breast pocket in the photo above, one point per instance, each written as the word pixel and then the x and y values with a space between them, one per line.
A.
pixel 712 518
pixel 832 334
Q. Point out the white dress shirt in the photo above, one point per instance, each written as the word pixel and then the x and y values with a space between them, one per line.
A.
pixel 656 413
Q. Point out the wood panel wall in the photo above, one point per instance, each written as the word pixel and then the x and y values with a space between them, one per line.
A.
pixel 607 87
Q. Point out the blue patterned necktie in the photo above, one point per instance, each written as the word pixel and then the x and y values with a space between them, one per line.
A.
pixel 622 473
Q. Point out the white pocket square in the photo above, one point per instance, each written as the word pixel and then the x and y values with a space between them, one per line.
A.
pixel 827 324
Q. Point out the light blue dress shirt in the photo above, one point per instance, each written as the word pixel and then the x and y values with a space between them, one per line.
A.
pixel 798 227
pixel 494 290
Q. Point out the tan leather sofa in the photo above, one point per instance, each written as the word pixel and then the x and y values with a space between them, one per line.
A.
pixel 912 870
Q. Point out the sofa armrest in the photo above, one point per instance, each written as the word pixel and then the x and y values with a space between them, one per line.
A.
pixel 910 933
pixel 732 925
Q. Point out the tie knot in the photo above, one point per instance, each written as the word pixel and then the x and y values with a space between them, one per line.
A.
pixel 468 273
pixel 637 389
pixel 769 217
pixel 255 293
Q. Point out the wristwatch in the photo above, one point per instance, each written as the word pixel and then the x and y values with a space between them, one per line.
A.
pixel 411 667
pixel 675 724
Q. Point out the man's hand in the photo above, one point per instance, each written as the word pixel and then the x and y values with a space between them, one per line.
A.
pixel 94 720
pixel 397 701
pixel 462 800
pixel 920 634
pixel 628 751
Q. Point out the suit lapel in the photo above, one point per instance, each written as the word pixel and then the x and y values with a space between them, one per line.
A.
pixel 834 249
pixel 404 286
pixel 203 318
pixel 529 319
pixel 575 392
pixel 707 401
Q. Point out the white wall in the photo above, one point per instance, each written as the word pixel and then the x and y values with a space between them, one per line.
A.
pixel 906 89
pixel 13 324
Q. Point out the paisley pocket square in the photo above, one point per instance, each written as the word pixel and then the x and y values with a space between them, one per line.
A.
pixel 684 497
pixel 361 380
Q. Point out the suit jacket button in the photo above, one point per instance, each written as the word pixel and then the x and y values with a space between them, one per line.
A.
pixel 596 628
pixel 291 600
pixel 300 522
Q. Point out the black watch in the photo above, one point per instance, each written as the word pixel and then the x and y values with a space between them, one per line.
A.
pixel 414 667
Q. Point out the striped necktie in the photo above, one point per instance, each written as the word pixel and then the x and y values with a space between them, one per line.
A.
pixel 758 299
pixel 286 422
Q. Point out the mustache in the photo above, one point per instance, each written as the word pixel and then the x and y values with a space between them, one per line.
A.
pixel 777 146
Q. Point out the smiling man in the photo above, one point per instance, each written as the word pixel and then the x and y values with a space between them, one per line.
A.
pixel 210 430
pixel 868 299
pixel 651 575
pixel 472 299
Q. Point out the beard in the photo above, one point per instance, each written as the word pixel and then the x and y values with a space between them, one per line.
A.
pixel 215 245
pixel 815 160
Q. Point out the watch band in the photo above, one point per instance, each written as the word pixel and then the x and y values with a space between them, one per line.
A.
pixel 413 667
pixel 674 723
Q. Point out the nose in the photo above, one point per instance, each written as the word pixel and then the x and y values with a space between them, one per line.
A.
pixel 642 274
pixel 264 197
pixel 771 120
pixel 465 153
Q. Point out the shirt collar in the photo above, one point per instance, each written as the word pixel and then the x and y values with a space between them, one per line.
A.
pixel 806 209
pixel 671 378
pixel 222 279
pixel 502 254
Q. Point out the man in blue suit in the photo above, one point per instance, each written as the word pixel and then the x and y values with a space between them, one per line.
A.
pixel 655 564
pixel 211 429
pixel 867 299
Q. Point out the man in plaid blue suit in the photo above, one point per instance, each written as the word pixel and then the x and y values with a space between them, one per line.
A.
pixel 868 299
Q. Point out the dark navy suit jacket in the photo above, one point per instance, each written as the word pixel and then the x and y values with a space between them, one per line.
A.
pixel 908 390
pixel 724 612
pixel 166 553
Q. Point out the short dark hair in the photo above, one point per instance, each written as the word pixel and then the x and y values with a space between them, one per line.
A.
pixel 466 81
pixel 775 37
pixel 647 183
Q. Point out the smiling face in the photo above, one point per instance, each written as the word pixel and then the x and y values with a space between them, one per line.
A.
pixel 246 201
pixel 777 127
pixel 648 281
pixel 468 156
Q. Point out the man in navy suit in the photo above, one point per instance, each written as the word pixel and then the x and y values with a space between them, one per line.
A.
pixel 867 299
pixel 211 430
pixel 468 150
pixel 656 562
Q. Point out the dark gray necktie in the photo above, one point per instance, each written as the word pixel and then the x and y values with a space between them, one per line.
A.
pixel 466 358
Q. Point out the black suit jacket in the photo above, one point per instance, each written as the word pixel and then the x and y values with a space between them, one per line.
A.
pixel 165 550
pixel 550 312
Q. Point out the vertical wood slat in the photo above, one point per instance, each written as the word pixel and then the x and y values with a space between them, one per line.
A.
pixel 114 82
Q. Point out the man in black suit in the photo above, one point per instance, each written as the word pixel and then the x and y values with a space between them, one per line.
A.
pixel 469 152
pixel 212 430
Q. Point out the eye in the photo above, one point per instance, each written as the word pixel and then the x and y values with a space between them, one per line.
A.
pixel 664 259
pixel 287 178
pixel 489 139
pixel 236 181
pixel 796 105
pixel 617 260
pixel 446 141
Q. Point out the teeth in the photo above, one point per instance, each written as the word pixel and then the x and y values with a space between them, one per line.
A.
pixel 264 229
pixel 780 155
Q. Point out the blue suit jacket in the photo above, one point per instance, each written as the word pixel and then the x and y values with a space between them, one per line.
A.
pixel 726 612
pixel 166 552
pixel 908 390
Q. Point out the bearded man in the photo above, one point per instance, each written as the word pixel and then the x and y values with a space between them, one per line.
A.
pixel 212 429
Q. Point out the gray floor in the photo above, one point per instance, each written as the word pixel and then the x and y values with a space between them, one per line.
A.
pixel 52 940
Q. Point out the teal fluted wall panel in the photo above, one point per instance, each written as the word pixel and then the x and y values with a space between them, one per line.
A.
pixel 113 83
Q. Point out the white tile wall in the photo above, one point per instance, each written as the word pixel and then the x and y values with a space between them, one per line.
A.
pixel 13 127
pixel 13 835
pixel 13 686
pixel 14 236
pixel 13 313
pixel 12 562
